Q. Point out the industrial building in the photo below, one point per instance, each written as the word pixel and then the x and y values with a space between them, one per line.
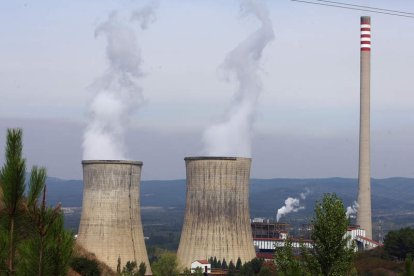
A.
pixel 110 225
pixel 217 217
pixel 266 243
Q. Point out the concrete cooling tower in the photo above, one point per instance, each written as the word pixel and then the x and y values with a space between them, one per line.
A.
pixel 110 225
pixel 217 217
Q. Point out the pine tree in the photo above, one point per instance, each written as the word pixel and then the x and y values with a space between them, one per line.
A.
pixel 224 264
pixel 238 263
pixel 215 263
pixel 12 183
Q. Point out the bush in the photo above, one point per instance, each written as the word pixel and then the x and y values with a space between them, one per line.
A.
pixel 85 267
pixel 399 243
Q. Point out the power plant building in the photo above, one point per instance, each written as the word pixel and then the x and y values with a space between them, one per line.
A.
pixel 110 225
pixel 217 217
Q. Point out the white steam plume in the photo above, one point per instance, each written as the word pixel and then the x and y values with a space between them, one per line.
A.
pixel 117 91
pixel 232 136
pixel 292 205
pixel 305 194
pixel 352 210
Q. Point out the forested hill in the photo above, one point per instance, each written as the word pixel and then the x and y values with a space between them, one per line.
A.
pixel 391 195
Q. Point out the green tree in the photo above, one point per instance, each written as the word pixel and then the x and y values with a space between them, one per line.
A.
pixel 28 228
pixel 47 247
pixel 232 269
pixel 142 269
pixel 85 267
pixel 256 264
pixel 331 253
pixel 166 265
pixel 224 264
pixel 12 183
pixel 285 261
pixel 399 243
pixel 409 271
pixel 246 269
pixel 238 263
pixel 198 272
pixel 265 271
pixel 186 272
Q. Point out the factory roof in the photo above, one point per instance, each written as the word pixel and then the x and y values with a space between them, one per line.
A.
pixel 202 261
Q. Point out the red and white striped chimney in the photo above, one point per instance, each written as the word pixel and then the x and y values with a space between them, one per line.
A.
pixel 364 218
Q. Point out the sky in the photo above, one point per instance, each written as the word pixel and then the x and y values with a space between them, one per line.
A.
pixel 307 119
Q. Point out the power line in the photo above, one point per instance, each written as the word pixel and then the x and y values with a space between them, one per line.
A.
pixel 355 8
pixel 366 7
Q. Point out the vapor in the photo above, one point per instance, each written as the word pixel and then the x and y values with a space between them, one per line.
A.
pixel 233 134
pixel 305 194
pixel 292 205
pixel 352 210
pixel 117 93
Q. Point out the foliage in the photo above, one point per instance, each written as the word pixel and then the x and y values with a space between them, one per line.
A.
pixel 238 263
pixel 186 272
pixel 331 254
pixel 375 262
pixel 28 228
pixel 85 267
pixel 409 271
pixel 286 262
pixel 12 181
pixel 256 264
pixel 131 269
pixel 224 264
pixel 198 272
pixel 398 244
pixel 166 265
pixel 251 268
pixel 142 269
pixel 265 271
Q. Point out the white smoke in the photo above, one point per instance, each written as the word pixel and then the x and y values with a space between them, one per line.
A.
pixel 232 136
pixel 117 91
pixel 292 205
pixel 305 194
pixel 352 210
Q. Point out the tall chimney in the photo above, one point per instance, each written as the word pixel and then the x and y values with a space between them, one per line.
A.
pixel 364 176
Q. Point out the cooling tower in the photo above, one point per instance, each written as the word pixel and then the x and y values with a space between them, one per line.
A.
pixel 217 218
pixel 110 225
pixel 364 176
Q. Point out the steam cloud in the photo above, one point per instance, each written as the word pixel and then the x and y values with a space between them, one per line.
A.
pixel 232 136
pixel 291 205
pixel 117 92
pixel 352 210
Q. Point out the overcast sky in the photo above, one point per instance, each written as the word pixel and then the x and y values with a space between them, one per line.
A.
pixel 308 114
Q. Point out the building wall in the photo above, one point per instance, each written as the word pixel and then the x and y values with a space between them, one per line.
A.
pixel 110 225
pixel 216 222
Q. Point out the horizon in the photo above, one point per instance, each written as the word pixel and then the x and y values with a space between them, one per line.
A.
pixel 307 119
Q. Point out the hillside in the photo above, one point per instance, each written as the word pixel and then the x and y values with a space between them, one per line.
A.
pixel 163 202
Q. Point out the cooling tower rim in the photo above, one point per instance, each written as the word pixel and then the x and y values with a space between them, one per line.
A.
pixel 112 162
pixel 230 158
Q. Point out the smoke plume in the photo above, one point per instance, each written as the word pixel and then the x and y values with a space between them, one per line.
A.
pixel 117 93
pixel 232 136
pixel 291 205
pixel 352 210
